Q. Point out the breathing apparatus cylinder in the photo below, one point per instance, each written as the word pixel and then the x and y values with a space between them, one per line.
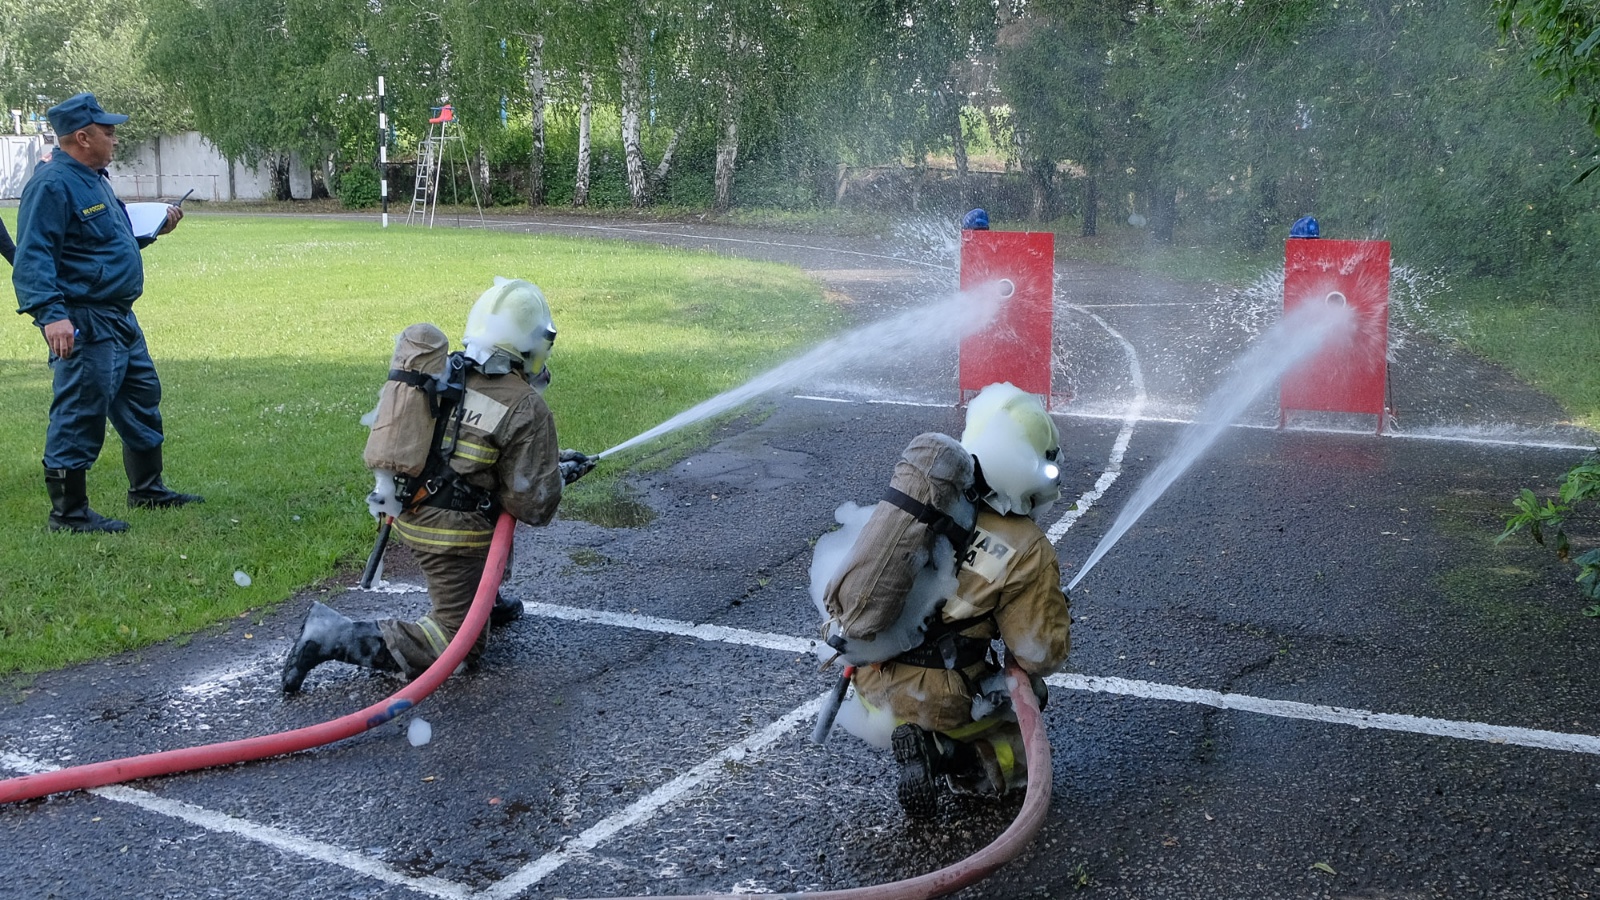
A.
pixel 403 427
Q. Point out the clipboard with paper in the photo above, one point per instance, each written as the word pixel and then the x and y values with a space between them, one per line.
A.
pixel 148 219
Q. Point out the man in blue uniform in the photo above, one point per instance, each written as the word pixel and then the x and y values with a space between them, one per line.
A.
pixel 77 273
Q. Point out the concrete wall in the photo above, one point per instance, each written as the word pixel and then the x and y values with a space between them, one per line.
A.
pixel 18 155
pixel 176 163
pixel 164 168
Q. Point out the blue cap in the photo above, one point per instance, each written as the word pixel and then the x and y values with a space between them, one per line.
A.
pixel 1304 227
pixel 80 111
pixel 977 220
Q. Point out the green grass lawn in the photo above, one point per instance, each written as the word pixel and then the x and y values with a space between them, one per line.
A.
pixel 272 337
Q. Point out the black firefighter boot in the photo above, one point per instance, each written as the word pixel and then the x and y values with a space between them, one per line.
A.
pixel 327 635
pixel 505 611
pixel 145 489
pixel 925 757
pixel 69 503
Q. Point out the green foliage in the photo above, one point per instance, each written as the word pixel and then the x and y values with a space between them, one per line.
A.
pixel 1564 47
pixel 54 49
pixel 1548 520
pixel 359 188
pixel 273 337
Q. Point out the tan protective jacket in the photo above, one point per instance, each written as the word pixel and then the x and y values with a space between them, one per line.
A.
pixel 1010 571
pixel 508 446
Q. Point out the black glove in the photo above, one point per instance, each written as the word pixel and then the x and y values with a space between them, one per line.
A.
pixel 575 465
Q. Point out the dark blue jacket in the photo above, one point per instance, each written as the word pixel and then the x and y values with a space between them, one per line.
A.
pixel 75 247
pixel 7 249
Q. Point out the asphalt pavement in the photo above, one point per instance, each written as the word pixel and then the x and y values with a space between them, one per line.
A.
pixel 1307 671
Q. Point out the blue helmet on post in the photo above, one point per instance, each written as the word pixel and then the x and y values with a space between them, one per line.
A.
pixel 976 220
pixel 1304 227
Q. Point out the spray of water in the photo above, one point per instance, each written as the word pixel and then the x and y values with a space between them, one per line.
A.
pixel 1415 308
pixel 942 323
pixel 1296 337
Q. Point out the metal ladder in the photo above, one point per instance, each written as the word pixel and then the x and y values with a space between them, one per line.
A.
pixel 428 159
pixel 443 132
pixel 430 164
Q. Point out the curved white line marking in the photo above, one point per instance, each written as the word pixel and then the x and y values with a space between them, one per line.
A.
pixel 1119 447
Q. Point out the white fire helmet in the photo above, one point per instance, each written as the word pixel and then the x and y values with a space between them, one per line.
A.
pixel 1016 443
pixel 511 316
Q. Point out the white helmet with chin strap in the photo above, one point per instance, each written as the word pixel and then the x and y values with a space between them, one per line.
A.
pixel 1016 443
pixel 512 317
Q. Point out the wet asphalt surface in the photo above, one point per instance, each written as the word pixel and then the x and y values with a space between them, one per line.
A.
pixel 602 751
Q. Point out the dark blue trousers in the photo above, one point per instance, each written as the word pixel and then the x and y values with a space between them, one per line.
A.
pixel 109 377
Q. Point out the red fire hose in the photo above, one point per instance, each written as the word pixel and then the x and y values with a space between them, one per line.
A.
pixel 95 775
pixel 1008 846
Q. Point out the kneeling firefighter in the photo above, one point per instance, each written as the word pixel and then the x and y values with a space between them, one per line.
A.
pixel 945 699
pixel 457 438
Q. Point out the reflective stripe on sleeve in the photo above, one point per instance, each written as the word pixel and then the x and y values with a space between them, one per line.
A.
pixel 475 452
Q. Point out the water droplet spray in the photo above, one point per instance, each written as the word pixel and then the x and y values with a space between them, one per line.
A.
pixel 949 321
pixel 1296 337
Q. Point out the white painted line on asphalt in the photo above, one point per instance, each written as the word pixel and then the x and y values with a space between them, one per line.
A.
pixel 277 838
pixel 1119 447
pixel 1284 709
pixel 1337 715
pixel 717 633
pixel 645 807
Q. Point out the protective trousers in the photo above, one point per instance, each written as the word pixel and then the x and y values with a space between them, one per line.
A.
pixel 1002 759
pixel 453 581
pixel 111 377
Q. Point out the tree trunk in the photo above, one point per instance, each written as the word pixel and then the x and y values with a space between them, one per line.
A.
pixel 958 141
pixel 536 99
pixel 632 103
pixel 321 177
pixel 1266 210
pixel 1163 215
pixel 279 166
pixel 1091 205
pixel 1039 176
pixel 660 175
pixel 580 183
pixel 727 155
pixel 481 189
pixel 728 141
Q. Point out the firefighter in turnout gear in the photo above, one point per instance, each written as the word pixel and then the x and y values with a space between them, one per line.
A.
pixel 955 728
pixel 496 451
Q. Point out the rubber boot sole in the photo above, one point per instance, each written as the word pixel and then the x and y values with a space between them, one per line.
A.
pixel 918 790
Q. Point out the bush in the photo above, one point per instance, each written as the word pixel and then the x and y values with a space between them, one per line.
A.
pixel 358 187
pixel 1582 485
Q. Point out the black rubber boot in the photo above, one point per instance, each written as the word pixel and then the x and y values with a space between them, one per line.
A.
pixel 505 611
pixel 69 504
pixel 145 489
pixel 918 757
pixel 328 636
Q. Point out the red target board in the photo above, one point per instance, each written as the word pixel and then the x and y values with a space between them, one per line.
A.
pixel 1016 346
pixel 1349 376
